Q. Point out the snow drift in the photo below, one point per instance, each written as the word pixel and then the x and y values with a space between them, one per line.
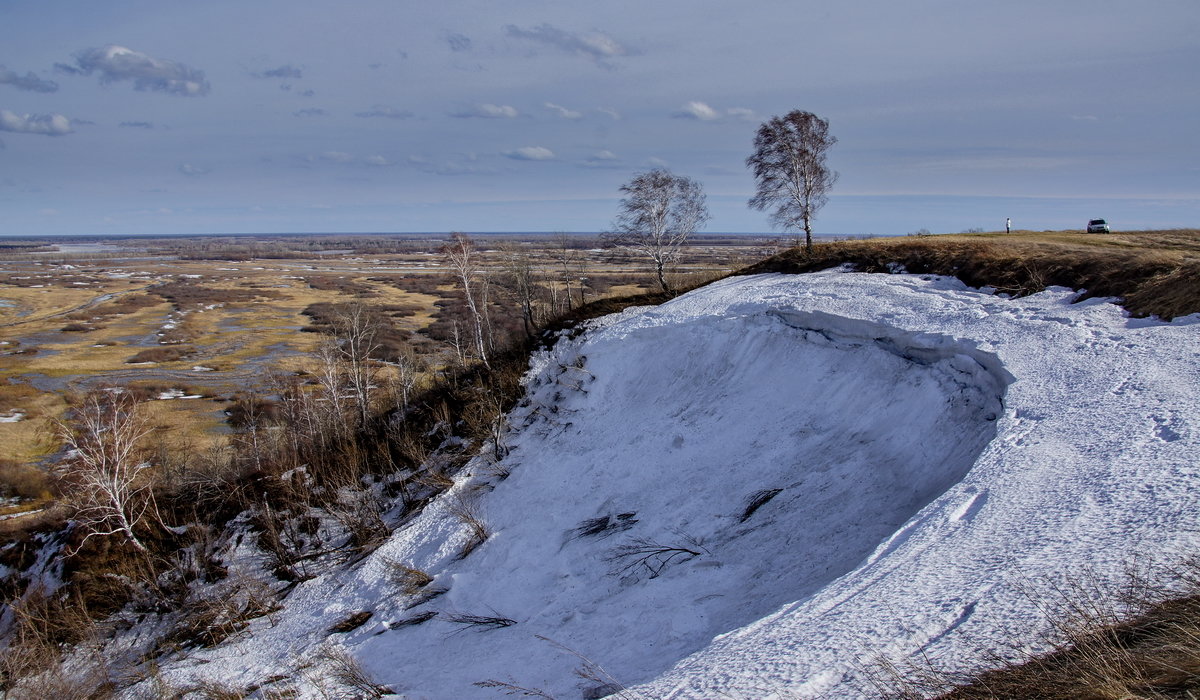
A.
pixel 761 486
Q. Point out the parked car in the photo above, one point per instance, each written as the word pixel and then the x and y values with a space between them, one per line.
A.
pixel 1097 226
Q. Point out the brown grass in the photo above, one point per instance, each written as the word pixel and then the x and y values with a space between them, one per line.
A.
pixel 1138 643
pixel 167 354
pixel 1152 272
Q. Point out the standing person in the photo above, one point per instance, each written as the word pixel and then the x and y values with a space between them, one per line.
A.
pixel 1008 225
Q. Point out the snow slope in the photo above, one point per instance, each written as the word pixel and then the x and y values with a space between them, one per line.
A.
pixel 925 459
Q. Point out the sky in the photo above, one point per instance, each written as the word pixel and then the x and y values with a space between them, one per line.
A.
pixel 173 117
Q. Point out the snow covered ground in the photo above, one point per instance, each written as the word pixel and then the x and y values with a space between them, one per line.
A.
pixel 762 487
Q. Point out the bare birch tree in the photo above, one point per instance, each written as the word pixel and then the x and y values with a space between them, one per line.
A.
pixel 522 278
pixel 357 338
pixel 659 213
pixel 790 171
pixel 460 252
pixel 568 259
pixel 110 484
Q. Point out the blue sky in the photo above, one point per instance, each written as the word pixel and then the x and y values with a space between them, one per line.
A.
pixel 178 117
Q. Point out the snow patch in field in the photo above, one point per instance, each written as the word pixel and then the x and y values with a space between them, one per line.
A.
pixel 176 394
pixel 13 416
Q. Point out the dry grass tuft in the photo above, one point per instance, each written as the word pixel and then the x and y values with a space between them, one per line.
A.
pixel 1138 643
pixel 410 579
pixel 346 672
pixel 469 512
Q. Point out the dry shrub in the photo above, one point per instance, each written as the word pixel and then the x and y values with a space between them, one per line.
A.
pixel 339 666
pixel 341 285
pixel 167 354
pixel 409 578
pixel 208 617
pixel 23 481
pixel 469 512
pixel 209 689
pixel 32 665
pixel 358 510
pixel 188 294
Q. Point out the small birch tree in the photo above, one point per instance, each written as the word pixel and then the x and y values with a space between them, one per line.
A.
pixel 357 338
pixel 110 484
pixel 463 257
pixel 659 213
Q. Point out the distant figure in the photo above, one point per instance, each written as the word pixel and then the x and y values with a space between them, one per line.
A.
pixel 1008 225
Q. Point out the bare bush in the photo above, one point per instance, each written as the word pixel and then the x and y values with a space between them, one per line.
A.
pixel 358 510
pixel 208 617
pixel 33 666
pixel 511 688
pixel 641 553
pixel 469 512
pixel 479 622
pixel 343 669
pixel 605 525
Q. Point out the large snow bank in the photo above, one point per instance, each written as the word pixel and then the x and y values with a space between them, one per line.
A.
pixel 937 455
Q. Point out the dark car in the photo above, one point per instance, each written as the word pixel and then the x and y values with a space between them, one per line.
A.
pixel 1097 226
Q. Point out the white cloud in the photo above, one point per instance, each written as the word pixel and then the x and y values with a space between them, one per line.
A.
pixel 610 112
pixel 563 111
pixel 337 157
pixel 488 110
pixel 701 111
pixel 117 63
pixel 377 160
pixel 602 159
pixel 45 124
pixel 595 45
pixel 530 153
pixel 697 110
pixel 311 112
